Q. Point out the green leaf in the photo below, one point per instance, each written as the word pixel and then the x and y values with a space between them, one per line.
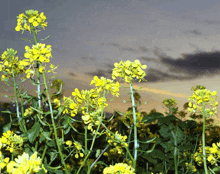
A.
pixel 152 117
pixel 52 143
pixel 66 122
pixel 167 120
pixel 158 154
pixel 165 131
pixel 66 131
pixel 183 125
pixel 7 127
pixel 45 135
pixel 33 133
pixel 53 156
pixel 149 158
pixel 180 135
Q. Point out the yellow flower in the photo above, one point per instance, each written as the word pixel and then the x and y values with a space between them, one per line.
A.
pixel 25 164
pixel 69 143
pixel 121 168
pixel 129 70
pixel 203 96
pixel 33 19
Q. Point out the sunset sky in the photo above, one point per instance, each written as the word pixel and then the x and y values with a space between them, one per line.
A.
pixel 176 39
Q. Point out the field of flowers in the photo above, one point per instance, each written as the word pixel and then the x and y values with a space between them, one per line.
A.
pixel 74 135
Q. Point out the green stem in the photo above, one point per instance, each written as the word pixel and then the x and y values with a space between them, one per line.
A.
pixel 175 151
pixel 86 147
pixel 54 127
pixel 22 113
pixel 93 140
pixel 203 139
pixel 91 147
pixel 36 145
pixel 129 139
pixel 38 74
pixel 16 100
pixel 135 128
pixel 44 152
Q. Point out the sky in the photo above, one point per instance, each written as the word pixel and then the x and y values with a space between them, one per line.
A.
pixel 176 39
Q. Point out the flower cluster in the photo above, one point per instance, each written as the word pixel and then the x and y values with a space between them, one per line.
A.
pixel 93 102
pixel 129 70
pixel 28 111
pixel 203 96
pixel 114 140
pixel 25 164
pixel 77 146
pixel 169 102
pixel 213 154
pixel 33 19
pixel 191 167
pixel 10 64
pixel 40 54
pixel 198 87
pixel 11 141
pixel 3 161
pixel 121 168
pixel 106 84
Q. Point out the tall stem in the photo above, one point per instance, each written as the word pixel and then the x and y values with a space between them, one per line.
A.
pixel 175 152
pixel 16 100
pixel 203 139
pixel 54 127
pixel 38 75
pixel 135 128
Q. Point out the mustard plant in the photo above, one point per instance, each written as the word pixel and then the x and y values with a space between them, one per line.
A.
pixel 42 132
pixel 94 104
pixel 203 96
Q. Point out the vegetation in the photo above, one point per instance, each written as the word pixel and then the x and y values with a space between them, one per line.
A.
pixel 74 136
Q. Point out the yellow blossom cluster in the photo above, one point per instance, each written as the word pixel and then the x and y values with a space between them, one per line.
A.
pixel 11 141
pixel 121 168
pixel 203 96
pixel 213 154
pixel 10 64
pixel 40 54
pixel 113 155
pixel 28 111
pixel 25 164
pixel 191 167
pixel 33 19
pixel 115 141
pixel 171 102
pixel 77 147
pixel 21 165
pixel 106 84
pixel 129 70
pixel 3 161
pixel 93 102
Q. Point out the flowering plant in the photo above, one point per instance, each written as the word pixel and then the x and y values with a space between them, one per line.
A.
pixel 42 141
